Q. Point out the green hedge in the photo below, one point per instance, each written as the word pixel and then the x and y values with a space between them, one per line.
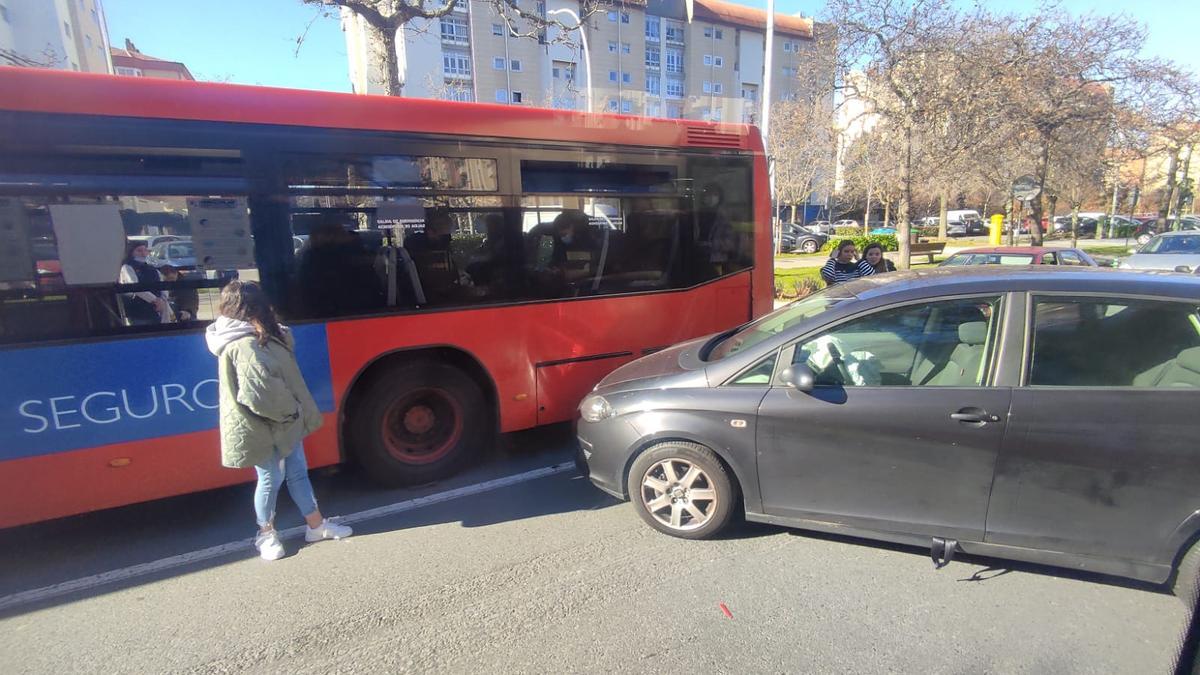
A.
pixel 888 241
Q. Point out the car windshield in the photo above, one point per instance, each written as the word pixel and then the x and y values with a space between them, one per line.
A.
pixel 989 259
pixel 1172 245
pixel 774 323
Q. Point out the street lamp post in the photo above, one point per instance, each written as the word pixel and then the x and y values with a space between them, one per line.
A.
pixel 587 60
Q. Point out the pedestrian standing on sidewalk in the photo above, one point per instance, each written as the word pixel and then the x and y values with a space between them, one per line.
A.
pixel 266 411
pixel 842 266
pixel 873 254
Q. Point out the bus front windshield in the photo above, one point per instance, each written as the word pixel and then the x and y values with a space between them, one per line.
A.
pixel 774 323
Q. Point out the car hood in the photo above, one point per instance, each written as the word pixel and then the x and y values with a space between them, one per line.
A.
pixel 1161 261
pixel 676 366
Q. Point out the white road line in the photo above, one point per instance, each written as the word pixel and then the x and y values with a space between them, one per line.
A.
pixel 245 545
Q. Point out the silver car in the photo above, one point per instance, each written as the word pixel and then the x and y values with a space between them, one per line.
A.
pixel 1169 251
pixel 1035 413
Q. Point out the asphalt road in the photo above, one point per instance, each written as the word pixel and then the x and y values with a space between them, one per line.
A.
pixel 546 574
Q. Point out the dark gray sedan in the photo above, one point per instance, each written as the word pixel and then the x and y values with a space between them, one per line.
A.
pixel 1040 414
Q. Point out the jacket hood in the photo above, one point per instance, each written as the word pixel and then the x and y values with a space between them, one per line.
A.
pixel 224 331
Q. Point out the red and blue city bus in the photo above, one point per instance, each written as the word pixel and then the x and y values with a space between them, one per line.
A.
pixel 451 270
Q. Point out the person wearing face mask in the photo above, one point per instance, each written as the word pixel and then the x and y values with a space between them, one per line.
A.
pixel 142 308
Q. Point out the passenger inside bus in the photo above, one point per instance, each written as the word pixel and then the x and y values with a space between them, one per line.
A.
pixel 431 254
pixel 144 307
pixel 336 274
pixel 720 243
pixel 495 268
pixel 567 255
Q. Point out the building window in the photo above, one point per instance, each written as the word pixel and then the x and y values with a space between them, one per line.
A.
pixel 612 76
pixel 653 110
pixel 674 32
pixel 129 72
pixel 626 106
pixel 612 104
pixel 498 62
pixel 787 47
pixel 708 61
pixel 515 65
pixel 652 85
pixel 612 46
pixel 456 65
pixel 675 111
pixel 788 71
pixel 497 29
pixel 516 97
pixel 718 88
pixel 652 28
pixel 674 61
pixel 563 70
pixel 675 88
pixel 612 16
pixel 625 48
pixel 717 34
pixel 708 31
pixel 626 78
pixel 749 94
pixel 653 57
pixel 716 115
pixel 624 17
pixel 501 96
pixel 454 29
pixel 719 61
pixel 460 94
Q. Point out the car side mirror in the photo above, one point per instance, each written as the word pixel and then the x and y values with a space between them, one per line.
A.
pixel 799 377
pixel 1183 268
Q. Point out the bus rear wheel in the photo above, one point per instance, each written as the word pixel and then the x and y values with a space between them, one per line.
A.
pixel 417 423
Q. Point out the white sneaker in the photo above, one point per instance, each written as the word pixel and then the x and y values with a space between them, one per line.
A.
pixel 269 546
pixel 327 530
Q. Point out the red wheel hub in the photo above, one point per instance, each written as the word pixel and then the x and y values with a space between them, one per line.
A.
pixel 423 426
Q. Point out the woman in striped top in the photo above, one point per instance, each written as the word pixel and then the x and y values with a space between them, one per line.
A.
pixel 842 267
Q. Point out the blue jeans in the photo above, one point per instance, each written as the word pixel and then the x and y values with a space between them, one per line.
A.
pixel 273 474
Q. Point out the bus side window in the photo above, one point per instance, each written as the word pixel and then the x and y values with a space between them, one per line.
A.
pixel 724 217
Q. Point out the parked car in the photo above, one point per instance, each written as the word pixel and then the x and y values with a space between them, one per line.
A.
pixel 1168 251
pixel 952 409
pixel 1020 255
pixel 822 226
pixel 153 240
pixel 797 238
pixel 179 254
pixel 1062 224
pixel 846 222
pixel 1150 227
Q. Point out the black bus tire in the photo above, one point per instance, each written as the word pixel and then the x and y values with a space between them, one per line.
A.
pixel 418 423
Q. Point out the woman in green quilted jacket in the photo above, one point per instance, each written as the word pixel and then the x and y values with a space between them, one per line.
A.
pixel 266 411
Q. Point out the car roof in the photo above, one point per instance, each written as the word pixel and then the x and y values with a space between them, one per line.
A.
pixel 1014 249
pixel 1181 233
pixel 935 281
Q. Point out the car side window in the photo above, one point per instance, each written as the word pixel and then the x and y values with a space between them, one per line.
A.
pixel 935 344
pixel 1098 342
pixel 1049 259
pixel 759 374
pixel 1070 258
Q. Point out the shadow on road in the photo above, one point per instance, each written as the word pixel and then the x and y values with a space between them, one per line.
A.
pixel 61 551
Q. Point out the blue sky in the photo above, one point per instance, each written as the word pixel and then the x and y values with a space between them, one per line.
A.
pixel 254 41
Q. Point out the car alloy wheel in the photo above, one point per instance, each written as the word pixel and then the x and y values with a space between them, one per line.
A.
pixel 809 246
pixel 679 495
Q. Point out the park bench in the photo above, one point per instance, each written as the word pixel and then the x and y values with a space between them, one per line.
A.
pixel 925 248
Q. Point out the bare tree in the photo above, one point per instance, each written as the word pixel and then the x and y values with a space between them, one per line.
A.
pixel 387 17
pixel 911 51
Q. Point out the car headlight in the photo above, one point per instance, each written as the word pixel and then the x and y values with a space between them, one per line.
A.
pixel 595 409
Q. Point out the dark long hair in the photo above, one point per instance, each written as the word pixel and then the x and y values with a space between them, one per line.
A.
pixel 246 301
pixel 131 246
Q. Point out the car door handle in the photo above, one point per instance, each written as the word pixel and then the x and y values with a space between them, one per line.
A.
pixel 973 416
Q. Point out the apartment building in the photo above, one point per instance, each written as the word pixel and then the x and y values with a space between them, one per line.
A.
pixel 133 63
pixel 642 57
pixel 63 34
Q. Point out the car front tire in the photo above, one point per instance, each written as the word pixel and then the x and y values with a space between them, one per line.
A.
pixel 809 246
pixel 1186 585
pixel 682 489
